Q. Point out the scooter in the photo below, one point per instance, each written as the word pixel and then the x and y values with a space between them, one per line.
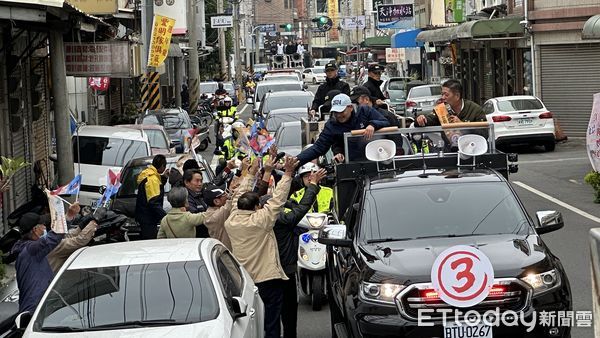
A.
pixel 311 259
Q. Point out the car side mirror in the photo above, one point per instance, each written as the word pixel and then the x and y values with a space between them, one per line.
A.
pixel 334 234
pixel 172 145
pixel 240 307
pixel 548 221
pixel 22 320
pixel 102 189
pixel 305 86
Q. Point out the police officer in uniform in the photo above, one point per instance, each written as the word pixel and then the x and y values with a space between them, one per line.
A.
pixel 332 81
pixel 374 82
pixel 324 202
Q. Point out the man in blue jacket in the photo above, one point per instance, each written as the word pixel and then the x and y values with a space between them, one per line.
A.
pixel 33 270
pixel 345 117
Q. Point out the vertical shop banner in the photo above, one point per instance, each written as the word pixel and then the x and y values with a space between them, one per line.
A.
pixel 332 12
pixel 593 134
pixel 99 83
pixel 162 28
pixel 457 10
pixel 395 16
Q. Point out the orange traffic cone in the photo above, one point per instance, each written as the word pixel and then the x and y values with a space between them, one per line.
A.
pixel 559 134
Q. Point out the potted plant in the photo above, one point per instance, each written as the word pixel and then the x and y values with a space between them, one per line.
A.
pixel 593 178
pixel 9 168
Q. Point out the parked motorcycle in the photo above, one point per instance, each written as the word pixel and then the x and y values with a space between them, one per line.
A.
pixel 311 259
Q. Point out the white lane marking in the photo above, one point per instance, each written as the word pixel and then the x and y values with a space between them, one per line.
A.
pixel 575 182
pixel 555 160
pixel 557 201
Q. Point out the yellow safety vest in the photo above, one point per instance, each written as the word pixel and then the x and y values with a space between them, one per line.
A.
pixel 227 112
pixel 324 198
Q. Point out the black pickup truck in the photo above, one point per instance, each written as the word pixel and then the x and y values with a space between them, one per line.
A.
pixel 398 218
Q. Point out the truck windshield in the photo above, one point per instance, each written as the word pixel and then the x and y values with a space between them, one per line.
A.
pixel 442 210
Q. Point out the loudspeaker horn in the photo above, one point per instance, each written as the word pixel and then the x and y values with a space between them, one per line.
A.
pixel 380 150
pixel 296 57
pixel 471 145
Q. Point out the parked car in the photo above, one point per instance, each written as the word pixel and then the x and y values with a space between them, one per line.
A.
pixel 288 138
pixel 274 86
pixel 276 117
pixel 342 71
pixel 521 119
pixel 395 90
pixel 158 137
pixel 422 99
pixel 167 287
pixel 177 123
pixel 96 149
pixel 285 99
pixel 323 61
pixel 207 89
pixel 125 200
pixel 259 70
pixel 314 75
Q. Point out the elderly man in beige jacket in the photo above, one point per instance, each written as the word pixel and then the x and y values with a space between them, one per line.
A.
pixel 253 241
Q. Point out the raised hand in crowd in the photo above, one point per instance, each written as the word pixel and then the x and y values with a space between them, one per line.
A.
pixel 317 176
pixel 290 165
pixel 254 167
pixel 74 209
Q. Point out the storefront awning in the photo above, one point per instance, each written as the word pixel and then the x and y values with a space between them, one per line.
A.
pixel 406 39
pixel 591 28
pixel 376 41
pixel 480 29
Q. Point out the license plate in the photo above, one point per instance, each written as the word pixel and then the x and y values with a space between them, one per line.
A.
pixel 454 330
pixel 525 122
pixel 315 249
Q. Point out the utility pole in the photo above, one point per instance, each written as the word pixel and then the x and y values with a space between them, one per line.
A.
pixel 147 19
pixel 202 20
pixel 194 68
pixel 346 30
pixel 236 34
pixel 309 14
pixel 222 44
pixel 64 148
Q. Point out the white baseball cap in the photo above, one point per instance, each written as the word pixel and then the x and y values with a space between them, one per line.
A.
pixel 340 102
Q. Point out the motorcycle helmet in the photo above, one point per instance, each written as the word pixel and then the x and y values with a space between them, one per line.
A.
pixel 307 168
pixel 227 101
pixel 237 125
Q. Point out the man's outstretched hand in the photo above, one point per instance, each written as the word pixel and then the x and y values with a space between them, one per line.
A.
pixel 290 165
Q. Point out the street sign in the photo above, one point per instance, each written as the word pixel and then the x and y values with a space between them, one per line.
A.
pixel 287 33
pixel 354 22
pixel 395 16
pixel 269 27
pixel 593 134
pixel 318 34
pixel 272 33
pixel 462 276
pixel 221 21
pixel 394 55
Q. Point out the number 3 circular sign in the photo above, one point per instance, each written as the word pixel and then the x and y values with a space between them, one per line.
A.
pixel 462 276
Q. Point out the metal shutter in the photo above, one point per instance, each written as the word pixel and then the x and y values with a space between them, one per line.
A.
pixel 570 78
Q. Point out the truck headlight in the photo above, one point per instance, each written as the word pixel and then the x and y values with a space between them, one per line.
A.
pixel 543 282
pixel 381 293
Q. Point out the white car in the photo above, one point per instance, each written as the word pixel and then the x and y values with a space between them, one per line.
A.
pixel 521 119
pixel 156 288
pixel 314 75
pixel 99 148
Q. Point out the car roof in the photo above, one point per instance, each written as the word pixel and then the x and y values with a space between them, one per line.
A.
pixel 290 93
pixel 112 132
pixel 164 111
pixel 275 81
pixel 428 85
pixel 435 177
pixel 139 252
pixel 284 111
pixel 290 124
pixel 283 71
pixel 142 126
pixel 515 97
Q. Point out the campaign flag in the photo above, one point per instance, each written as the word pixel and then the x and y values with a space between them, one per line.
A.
pixel 112 187
pixel 57 212
pixel 70 189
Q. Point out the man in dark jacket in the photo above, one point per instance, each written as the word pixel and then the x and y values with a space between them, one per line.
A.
pixel 192 179
pixel 345 118
pixel 332 81
pixel 33 270
pixel 290 48
pixel 459 109
pixel 287 243
pixel 361 95
pixel 151 193
pixel 374 82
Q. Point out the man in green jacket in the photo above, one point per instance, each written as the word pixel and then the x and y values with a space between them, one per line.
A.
pixel 459 109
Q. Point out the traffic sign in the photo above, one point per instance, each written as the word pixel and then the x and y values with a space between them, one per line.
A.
pixel 462 276
pixel 221 21
pixel 268 27
pixel 354 22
